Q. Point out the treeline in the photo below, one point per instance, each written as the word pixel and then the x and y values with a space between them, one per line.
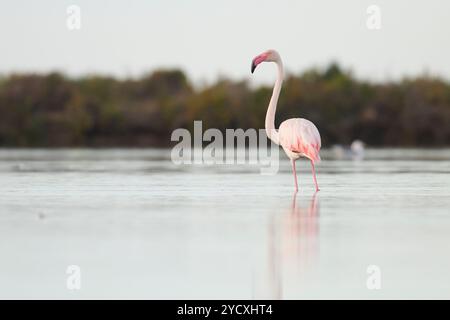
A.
pixel 52 110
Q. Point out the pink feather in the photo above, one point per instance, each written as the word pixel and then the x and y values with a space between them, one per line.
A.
pixel 300 136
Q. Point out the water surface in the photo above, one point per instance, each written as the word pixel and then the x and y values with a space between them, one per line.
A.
pixel 140 227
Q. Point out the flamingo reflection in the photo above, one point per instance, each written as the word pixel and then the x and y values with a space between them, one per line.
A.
pixel 293 246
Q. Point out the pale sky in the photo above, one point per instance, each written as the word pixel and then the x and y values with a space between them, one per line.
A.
pixel 212 38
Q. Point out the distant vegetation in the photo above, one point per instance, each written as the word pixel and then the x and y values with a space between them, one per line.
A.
pixel 52 110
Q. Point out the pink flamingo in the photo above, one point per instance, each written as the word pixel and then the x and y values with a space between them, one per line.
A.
pixel 298 137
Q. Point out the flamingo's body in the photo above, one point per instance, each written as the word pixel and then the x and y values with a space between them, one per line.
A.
pixel 298 137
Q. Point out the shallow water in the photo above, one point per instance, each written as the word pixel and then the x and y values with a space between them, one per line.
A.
pixel 140 227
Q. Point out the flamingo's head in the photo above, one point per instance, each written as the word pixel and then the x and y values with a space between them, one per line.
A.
pixel 267 56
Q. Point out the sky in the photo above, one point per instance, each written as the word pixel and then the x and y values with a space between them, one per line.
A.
pixel 211 39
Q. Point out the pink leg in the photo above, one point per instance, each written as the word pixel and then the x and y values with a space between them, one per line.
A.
pixel 295 174
pixel 314 175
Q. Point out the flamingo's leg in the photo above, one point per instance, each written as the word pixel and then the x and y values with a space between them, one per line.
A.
pixel 295 174
pixel 314 176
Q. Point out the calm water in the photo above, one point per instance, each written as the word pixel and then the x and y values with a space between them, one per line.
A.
pixel 140 227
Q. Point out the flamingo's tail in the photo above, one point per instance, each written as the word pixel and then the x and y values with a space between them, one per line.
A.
pixel 318 159
pixel 315 158
pixel 312 152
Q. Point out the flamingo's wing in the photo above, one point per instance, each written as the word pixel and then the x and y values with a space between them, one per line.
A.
pixel 300 136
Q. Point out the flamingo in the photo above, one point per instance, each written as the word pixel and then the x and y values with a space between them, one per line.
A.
pixel 297 136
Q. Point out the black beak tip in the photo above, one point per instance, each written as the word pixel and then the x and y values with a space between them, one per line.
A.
pixel 253 67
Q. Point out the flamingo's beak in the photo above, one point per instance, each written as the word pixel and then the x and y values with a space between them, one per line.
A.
pixel 258 59
pixel 253 65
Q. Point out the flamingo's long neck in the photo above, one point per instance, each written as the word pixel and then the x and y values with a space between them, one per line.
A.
pixel 271 132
